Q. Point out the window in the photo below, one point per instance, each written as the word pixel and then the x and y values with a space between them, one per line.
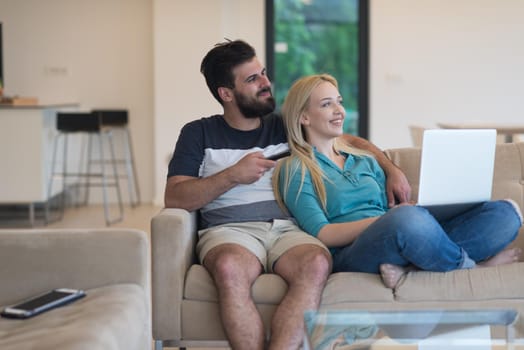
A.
pixel 321 36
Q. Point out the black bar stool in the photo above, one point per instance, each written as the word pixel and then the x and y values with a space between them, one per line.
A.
pixel 118 120
pixel 88 123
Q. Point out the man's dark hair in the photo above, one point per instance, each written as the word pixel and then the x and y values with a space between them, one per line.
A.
pixel 217 66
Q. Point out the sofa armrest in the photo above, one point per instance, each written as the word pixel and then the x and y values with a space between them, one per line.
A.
pixel 34 261
pixel 173 240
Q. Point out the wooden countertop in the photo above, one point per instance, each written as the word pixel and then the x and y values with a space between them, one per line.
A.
pixel 39 106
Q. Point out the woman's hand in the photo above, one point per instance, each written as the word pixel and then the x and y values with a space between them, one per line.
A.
pixel 398 189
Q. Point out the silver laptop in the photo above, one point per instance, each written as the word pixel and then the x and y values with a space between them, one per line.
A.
pixel 456 169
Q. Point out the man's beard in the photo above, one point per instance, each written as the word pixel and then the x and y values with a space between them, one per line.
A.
pixel 253 108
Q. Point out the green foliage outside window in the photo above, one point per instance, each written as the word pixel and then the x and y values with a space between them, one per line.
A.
pixel 318 36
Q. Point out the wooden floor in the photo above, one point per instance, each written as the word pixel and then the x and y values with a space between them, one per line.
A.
pixel 88 216
pixel 92 216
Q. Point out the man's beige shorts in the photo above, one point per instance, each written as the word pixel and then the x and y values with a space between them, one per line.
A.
pixel 267 240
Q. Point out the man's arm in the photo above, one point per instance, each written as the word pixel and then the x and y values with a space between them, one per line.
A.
pixel 397 185
pixel 191 193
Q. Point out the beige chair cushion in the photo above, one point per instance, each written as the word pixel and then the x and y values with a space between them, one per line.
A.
pixel 112 317
pixel 35 261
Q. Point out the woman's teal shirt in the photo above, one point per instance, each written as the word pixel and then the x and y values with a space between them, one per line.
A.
pixel 356 192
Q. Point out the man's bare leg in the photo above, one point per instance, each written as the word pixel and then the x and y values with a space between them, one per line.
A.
pixel 305 269
pixel 234 269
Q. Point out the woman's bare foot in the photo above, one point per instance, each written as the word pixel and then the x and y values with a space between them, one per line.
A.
pixel 391 274
pixel 506 256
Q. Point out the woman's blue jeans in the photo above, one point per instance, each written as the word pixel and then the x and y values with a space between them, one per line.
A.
pixel 411 235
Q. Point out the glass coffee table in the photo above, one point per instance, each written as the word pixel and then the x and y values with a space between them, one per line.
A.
pixel 487 329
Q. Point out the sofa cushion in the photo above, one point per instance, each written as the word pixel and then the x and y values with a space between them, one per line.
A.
pixel 270 288
pixel 267 289
pixel 486 283
pixel 110 317
pixel 343 287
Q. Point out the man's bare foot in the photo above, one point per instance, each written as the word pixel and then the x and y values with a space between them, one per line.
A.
pixel 391 274
pixel 506 256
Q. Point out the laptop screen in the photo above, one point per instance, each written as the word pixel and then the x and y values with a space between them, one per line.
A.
pixel 456 166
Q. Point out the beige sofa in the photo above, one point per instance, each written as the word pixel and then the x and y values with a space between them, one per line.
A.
pixel 111 265
pixel 185 309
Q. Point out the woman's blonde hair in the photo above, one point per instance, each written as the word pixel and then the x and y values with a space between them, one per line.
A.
pixel 302 155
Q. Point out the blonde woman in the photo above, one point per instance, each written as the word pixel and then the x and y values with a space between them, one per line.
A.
pixel 338 195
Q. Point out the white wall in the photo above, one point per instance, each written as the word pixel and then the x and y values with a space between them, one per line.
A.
pixel 98 53
pixel 444 61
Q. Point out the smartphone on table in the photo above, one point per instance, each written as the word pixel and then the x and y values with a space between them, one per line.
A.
pixel 43 302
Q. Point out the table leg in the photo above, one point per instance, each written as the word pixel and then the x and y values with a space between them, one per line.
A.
pixel 32 214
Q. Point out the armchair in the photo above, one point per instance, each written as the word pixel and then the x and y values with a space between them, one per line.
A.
pixel 111 265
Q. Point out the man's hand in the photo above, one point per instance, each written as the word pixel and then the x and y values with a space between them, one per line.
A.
pixel 250 168
pixel 397 187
